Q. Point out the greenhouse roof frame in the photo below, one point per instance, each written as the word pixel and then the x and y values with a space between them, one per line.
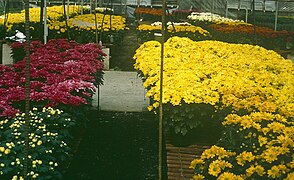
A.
pixel 260 5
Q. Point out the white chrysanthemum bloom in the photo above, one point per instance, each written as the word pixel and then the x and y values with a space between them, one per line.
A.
pixel 179 24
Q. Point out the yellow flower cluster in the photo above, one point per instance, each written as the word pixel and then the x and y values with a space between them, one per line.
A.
pixel 258 169
pixel 244 157
pixel 216 167
pixel 229 176
pixel 232 76
pixel 53 13
pixel 175 28
pixel 268 148
pixel 234 23
pixel 240 76
pixel 216 151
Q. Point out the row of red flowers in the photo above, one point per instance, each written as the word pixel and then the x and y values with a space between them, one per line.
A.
pixel 62 72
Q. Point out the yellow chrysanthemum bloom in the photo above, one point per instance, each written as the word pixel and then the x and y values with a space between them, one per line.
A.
pixel 262 140
pixel 196 162
pixel 217 166
pixel 255 169
pixel 244 157
pixel 229 176
pixel 290 176
pixel 198 177
pixel 214 151
pixel 277 171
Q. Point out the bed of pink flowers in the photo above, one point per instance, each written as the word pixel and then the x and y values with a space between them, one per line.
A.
pixel 62 73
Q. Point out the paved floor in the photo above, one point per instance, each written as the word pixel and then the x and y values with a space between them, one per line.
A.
pixel 122 91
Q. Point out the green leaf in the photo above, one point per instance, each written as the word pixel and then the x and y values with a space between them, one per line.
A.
pixel 184 130
pixel 177 129
pixel 190 116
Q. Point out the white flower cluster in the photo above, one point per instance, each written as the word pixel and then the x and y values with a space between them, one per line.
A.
pixel 210 17
pixel 102 9
pixel 158 23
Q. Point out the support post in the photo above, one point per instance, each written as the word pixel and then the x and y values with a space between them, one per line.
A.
pixel 41 34
pixel 45 22
pixel 246 15
pixel 82 4
pixel 160 145
pixel 212 8
pixel 97 42
pixel 90 7
pixel 67 9
pixel 276 15
pixel 227 9
pixel 1 51
pixel 65 17
pixel 254 20
pixel 27 89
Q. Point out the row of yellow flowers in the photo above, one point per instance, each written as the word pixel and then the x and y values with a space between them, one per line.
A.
pixel 79 25
pixel 255 84
pixel 214 72
pixel 53 13
pixel 146 31
pixel 175 28
pixel 83 28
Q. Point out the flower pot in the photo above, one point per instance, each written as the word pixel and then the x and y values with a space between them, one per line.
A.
pixel 6 55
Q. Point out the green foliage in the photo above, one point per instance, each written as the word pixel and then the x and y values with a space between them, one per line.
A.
pixel 182 119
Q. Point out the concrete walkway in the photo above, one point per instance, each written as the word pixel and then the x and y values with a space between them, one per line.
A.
pixel 122 91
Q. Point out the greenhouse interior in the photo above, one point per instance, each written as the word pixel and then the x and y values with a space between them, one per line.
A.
pixel 146 89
